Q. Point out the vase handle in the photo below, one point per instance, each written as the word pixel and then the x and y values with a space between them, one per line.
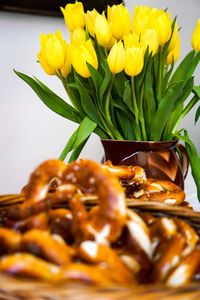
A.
pixel 184 159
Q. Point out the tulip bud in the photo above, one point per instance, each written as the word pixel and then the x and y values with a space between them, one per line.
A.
pixel 160 21
pixel 90 17
pixel 116 58
pixel 81 56
pixel 119 20
pixel 149 39
pixel 174 54
pixel 134 61
pixel 102 30
pixel 53 53
pixel 74 15
pixel 131 40
pixel 77 37
pixel 140 18
pixel 56 50
pixel 196 37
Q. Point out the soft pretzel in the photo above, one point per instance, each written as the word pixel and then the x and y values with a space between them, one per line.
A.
pixel 111 212
pixel 28 265
pixel 186 269
pixel 161 191
pixel 51 247
pixel 126 172
pixel 104 244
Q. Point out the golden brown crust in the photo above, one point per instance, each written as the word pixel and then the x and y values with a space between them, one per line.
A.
pixel 161 191
pixel 104 244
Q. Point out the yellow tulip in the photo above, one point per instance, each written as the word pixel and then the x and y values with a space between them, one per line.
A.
pixel 102 30
pixel 120 21
pixel 74 15
pixel 174 37
pixel 174 54
pixel 42 60
pixel 140 18
pixel 149 39
pixel 81 56
pixel 131 40
pixel 116 58
pixel 53 53
pixel 77 37
pixel 56 50
pixel 90 17
pixel 196 37
pixel 134 61
pixel 160 21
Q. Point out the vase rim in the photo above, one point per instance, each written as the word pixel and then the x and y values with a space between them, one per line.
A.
pixel 145 142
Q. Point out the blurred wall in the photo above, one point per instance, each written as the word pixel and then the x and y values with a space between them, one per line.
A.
pixel 29 132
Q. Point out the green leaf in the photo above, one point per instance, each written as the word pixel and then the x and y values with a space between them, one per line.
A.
pixel 51 100
pixel 165 108
pixel 119 85
pixel 96 78
pixel 73 87
pixel 87 104
pixel 75 154
pixel 197 115
pixel 149 106
pixel 167 134
pixel 194 158
pixel 187 90
pixel 80 135
pixel 196 90
pixel 186 68
pixel 105 83
pixel 125 124
pixel 178 109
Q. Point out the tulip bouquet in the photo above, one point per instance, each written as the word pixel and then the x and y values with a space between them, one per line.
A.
pixel 119 74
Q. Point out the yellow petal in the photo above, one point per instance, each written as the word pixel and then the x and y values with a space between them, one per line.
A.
pixel 102 30
pixel 196 37
pixel 116 58
pixel 74 15
pixel 49 70
pixel 134 61
pixel 77 37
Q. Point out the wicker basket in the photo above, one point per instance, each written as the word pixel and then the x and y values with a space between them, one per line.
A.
pixel 12 288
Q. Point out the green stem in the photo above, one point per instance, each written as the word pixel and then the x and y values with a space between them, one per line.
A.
pixel 69 93
pixel 141 114
pixel 134 100
pixel 107 100
pixel 159 78
pixel 135 108
pixel 106 128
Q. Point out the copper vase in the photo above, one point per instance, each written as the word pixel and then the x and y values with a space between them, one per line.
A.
pixel 160 160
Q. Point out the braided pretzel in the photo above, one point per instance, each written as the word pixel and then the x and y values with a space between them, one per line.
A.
pixel 97 253
pixel 104 239
pixel 184 272
pixel 10 240
pixel 126 172
pixel 51 247
pixel 25 264
pixel 161 191
pixel 167 256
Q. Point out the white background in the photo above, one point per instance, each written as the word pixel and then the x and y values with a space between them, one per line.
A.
pixel 29 132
